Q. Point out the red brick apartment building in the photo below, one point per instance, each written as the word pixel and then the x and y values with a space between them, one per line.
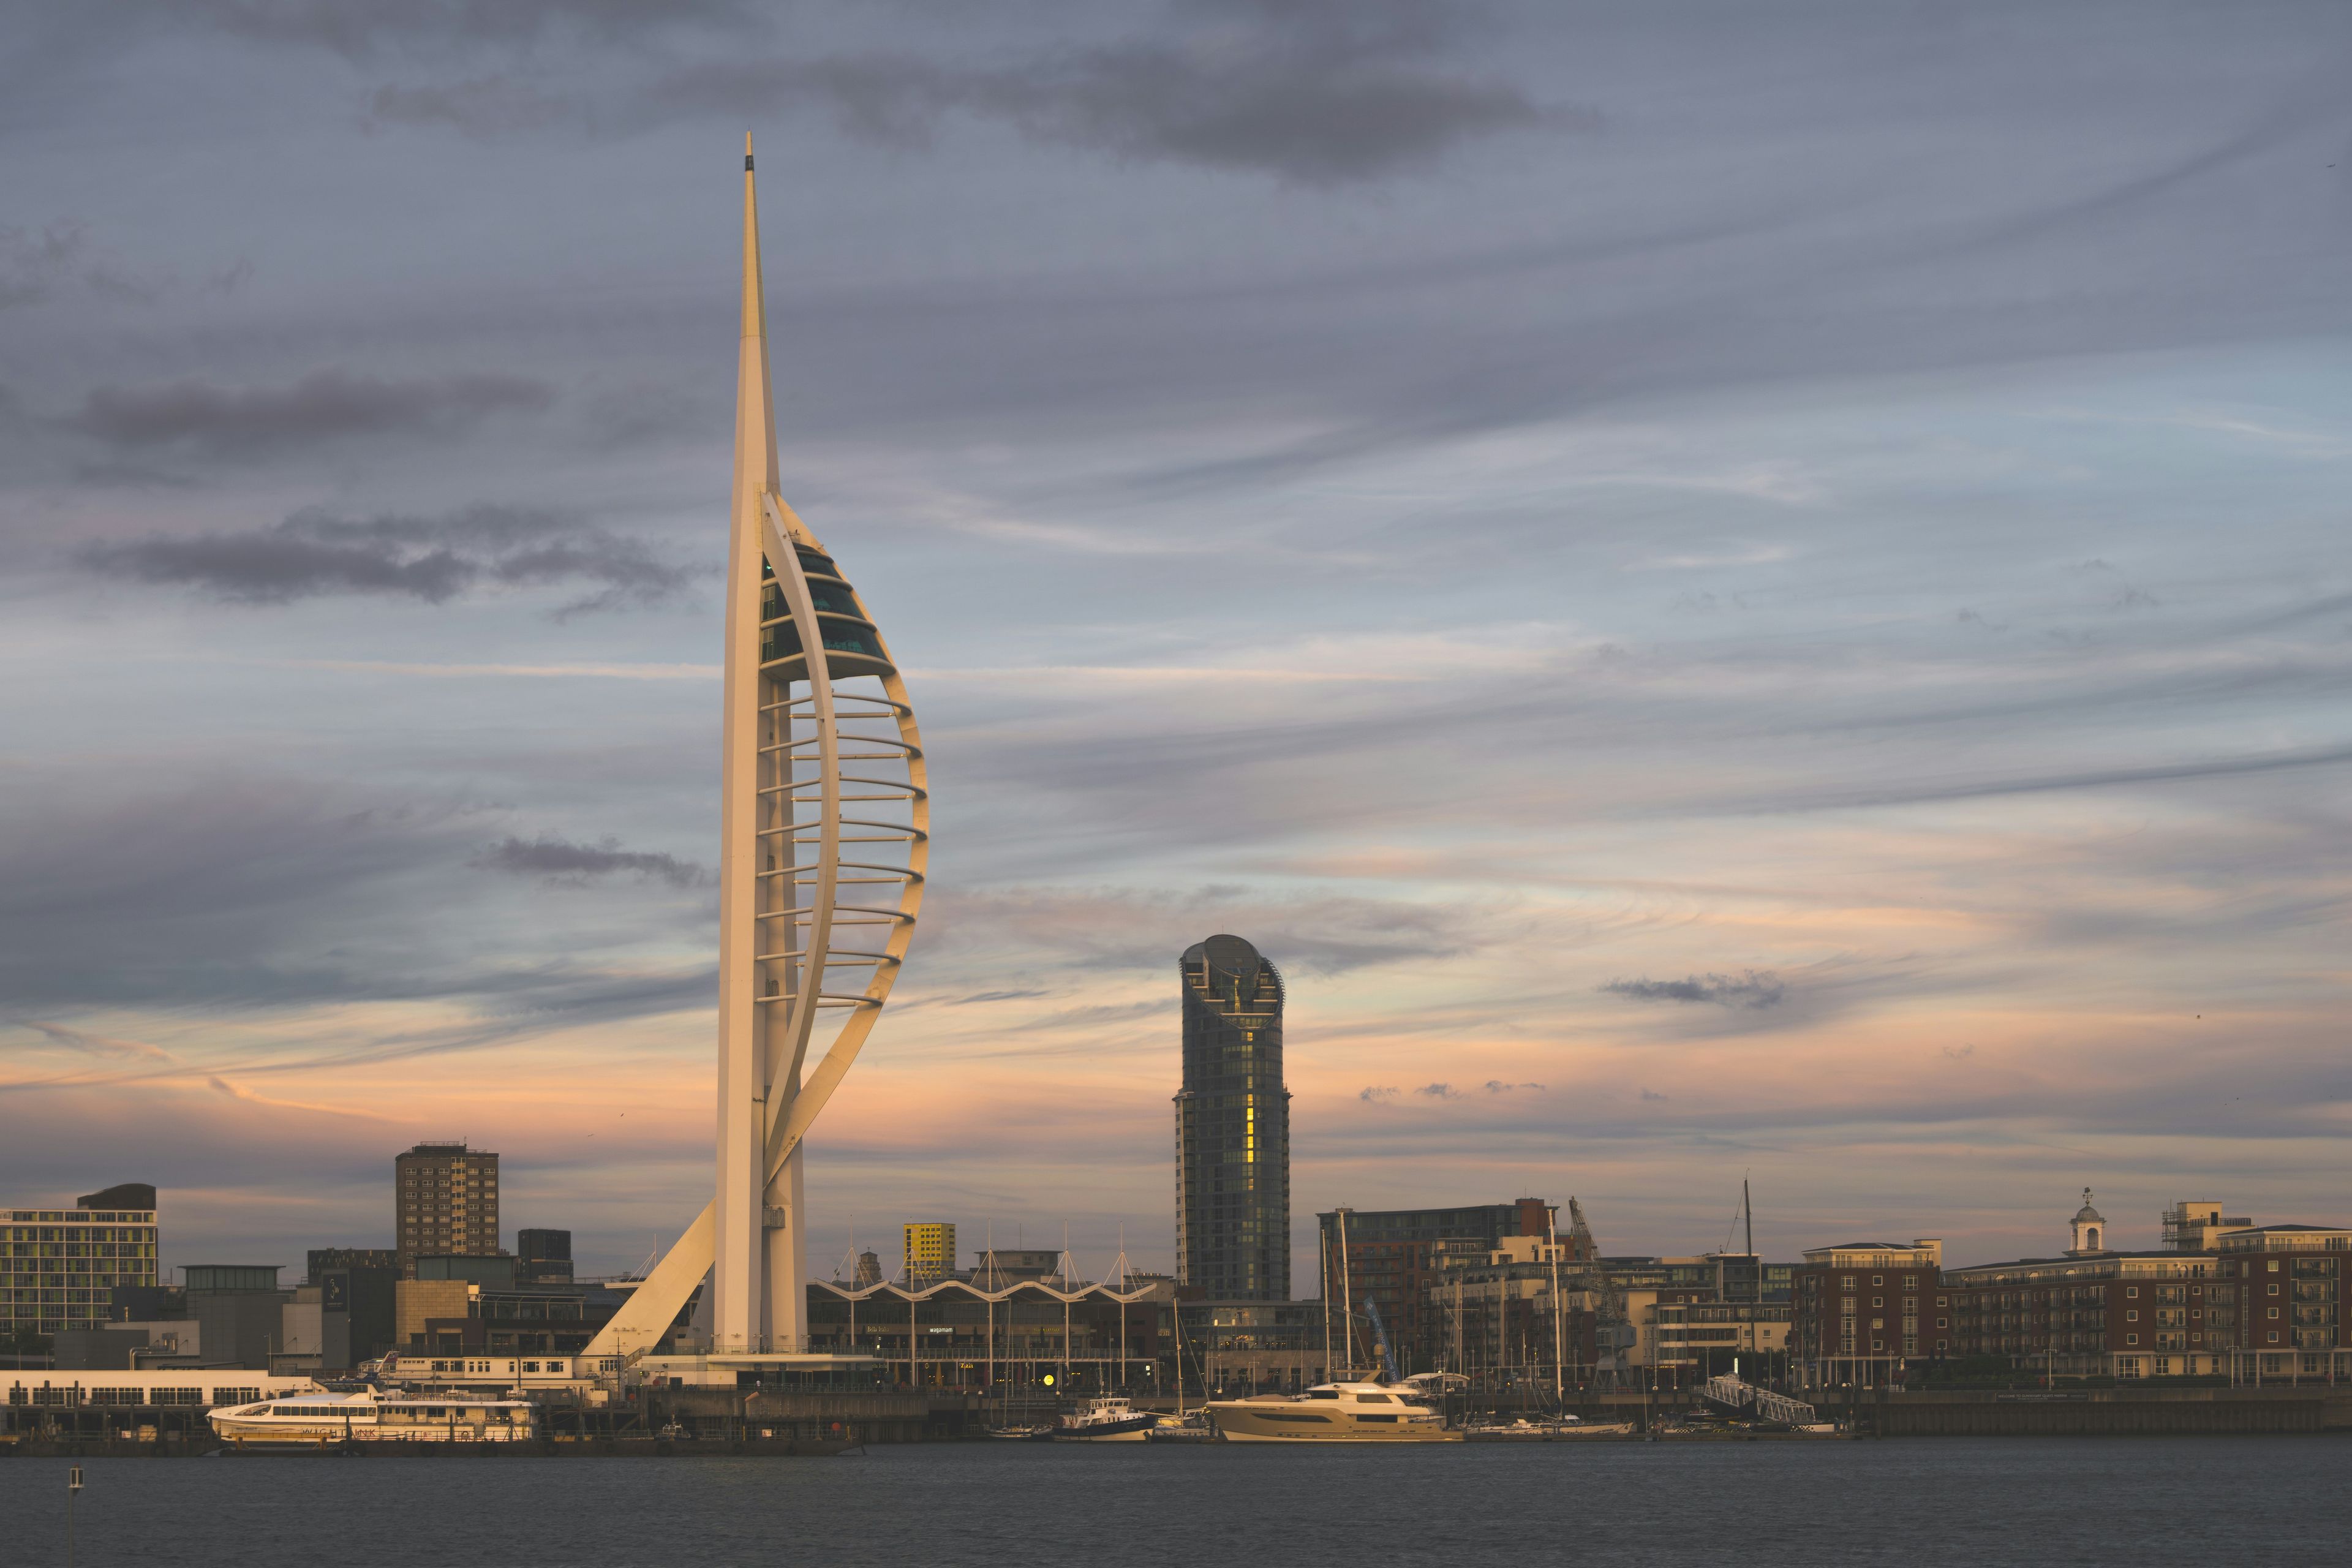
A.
pixel 1861 1311
pixel 2253 1302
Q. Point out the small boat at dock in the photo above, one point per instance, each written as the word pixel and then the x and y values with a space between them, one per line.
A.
pixel 1110 1419
pixel 1193 1428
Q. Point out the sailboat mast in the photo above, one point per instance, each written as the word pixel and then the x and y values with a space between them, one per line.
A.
pixel 1756 1300
pixel 1347 1295
pixel 1551 1246
pixel 1323 1270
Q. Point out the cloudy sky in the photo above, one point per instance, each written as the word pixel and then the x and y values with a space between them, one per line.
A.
pixel 1731 590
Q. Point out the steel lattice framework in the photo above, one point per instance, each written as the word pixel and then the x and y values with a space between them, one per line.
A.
pixel 825 835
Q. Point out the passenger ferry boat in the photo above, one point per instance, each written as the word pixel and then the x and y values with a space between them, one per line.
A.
pixel 321 1420
pixel 1334 1413
pixel 1107 1420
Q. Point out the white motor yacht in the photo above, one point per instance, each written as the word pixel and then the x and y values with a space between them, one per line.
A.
pixel 320 1420
pixel 1334 1413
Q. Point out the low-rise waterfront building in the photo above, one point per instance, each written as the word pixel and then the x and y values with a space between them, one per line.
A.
pixel 1001 1265
pixel 239 1311
pixel 1690 1342
pixel 1508 1316
pixel 192 1388
pixel 457 1316
pixel 961 1333
pixel 1236 1348
pixel 543 1257
pixel 1395 1256
pixel 2108 1314
pixel 2222 1297
pixel 318 1260
pixel 2285 1286
pixel 2257 1302
pixel 365 1291
pixel 1709 1276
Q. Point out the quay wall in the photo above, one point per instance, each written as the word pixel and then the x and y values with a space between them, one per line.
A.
pixel 2106 1412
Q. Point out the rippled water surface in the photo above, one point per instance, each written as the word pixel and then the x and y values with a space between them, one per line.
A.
pixel 2236 1500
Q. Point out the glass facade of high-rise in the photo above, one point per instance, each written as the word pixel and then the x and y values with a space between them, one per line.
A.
pixel 1232 1127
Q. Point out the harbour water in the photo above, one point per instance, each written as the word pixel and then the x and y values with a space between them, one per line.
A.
pixel 1982 1502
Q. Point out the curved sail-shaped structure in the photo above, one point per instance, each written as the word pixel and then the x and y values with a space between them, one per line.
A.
pixel 825 833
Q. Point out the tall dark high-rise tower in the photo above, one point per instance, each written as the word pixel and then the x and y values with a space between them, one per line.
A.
pixel 1232 1127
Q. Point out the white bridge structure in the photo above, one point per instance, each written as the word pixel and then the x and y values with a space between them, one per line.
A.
pixel 825 833
pixel 1744 1398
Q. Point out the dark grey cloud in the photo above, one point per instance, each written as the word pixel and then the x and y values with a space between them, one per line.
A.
pixel 1438 1092
pixel 221 891
pixel 1754 988
pixel 1315 94
pixel 262 893
pixel 1305 116
pixel 1144 929
pixel 1923 792
pixel 562 861
pixel 510 1004
pixel 495 105
pixel 201 417
pixel 35 265
pixel 1377 1095
pixel 434 559
pixel 1496 1086
pixel 358 27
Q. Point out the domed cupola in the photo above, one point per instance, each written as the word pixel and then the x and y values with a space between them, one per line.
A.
pixel 2090 1229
